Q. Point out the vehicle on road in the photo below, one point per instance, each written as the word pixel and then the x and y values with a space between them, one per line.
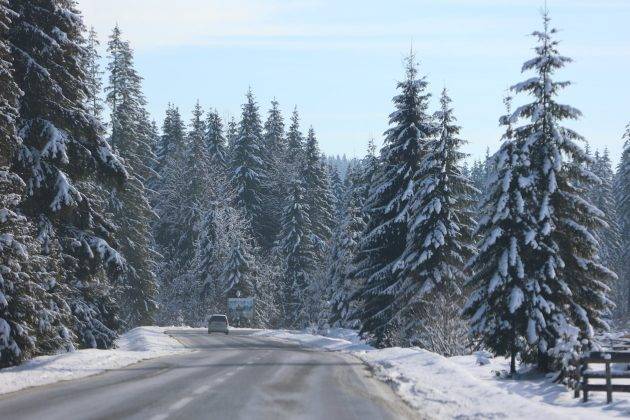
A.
pixel 218 323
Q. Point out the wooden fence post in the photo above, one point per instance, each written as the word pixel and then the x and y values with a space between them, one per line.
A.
pixel 578 384
pixel 584 383
pixel 608 384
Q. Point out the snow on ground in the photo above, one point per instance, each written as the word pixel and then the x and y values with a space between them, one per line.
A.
pixel 462 387
pixel 136 345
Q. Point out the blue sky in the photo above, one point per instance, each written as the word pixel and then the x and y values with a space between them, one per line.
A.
pixel 339 60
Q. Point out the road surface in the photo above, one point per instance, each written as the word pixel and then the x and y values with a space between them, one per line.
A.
pixel 238 376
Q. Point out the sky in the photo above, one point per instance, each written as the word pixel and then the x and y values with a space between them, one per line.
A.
pixel 339 61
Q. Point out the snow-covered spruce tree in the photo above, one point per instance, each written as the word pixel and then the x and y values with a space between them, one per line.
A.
pixel 278 179
pixel 566 277
pixel 194 185
pixel 231 136
pixel 609 237
pixel 295 143
pixel 391 192
pixel 319 198
pixel 236 272
pixel 132 138
pixel 237 275
pixel 622 188
pixel 267 308
pixel 439 242
pixel 298 261
pixel 247 273
pixel 337 188
pixel 248 173
pixel 274 131
pixel 154 141
pixel 170 150
pixel 171 228
pixel 62 153
pixel 215 140
pixel 94 75
pixel 497 308
pixel 480 173
pixel 33 318
pixel 197 174
pixel 364 176
pixel 345 245
pixel 172 145
pixel 206 267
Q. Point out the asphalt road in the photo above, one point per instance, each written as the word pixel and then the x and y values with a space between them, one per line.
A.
pixel 238 376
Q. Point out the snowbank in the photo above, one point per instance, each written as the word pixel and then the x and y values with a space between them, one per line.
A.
pixel 136 345
pixel 461 387
pixel 335 340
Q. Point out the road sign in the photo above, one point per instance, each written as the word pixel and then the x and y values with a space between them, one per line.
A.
pixel 241 308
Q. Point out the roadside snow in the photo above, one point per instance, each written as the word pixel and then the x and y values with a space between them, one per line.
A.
pixel 336 339
pixel 136 345
pixel 464 387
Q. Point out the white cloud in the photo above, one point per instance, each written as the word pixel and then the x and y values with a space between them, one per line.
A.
pixel 308 24
pixel 304 24
pixel 167 22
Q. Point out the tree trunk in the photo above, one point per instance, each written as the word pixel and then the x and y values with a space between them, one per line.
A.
pixel 543 362
pixel 513 352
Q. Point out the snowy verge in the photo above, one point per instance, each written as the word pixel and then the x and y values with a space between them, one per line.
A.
pixel 138 344
pixel 461 387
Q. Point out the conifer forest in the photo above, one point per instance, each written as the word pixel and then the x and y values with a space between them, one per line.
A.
pixel 111 219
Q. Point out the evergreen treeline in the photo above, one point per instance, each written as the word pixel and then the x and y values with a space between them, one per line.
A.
pixel 110 223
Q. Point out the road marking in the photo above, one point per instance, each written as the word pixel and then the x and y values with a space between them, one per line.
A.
pixel 201 389
pixel 180 404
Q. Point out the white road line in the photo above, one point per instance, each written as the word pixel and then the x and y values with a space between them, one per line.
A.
pixel 180 404
pixel 202 389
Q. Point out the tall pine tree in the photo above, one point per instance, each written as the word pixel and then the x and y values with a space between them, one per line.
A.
pixel 215 140
pixel 231 136
pixel 34 318
pixel 63 157
pixel 94 75
pixel 391 193
pixel 277 179
pixel 132 138
pixel 439 242
pixel 497 308
pixel 568 283
pixel 296 251
pixel 248 173
pixel 316 181
pixel 171 229
pixel 274 132
pixel 345 245
pixel 295 143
